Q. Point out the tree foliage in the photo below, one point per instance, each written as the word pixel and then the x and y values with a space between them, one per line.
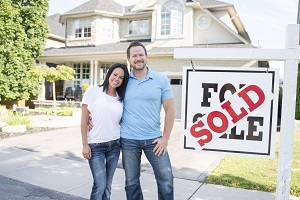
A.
pixel 23 33
pixel 52 74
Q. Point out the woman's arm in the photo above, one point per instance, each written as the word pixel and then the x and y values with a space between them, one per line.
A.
pixel 85 113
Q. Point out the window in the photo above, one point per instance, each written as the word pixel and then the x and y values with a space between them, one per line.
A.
pixel 82 71
pixel 138 27
pixel 171 18
pixel 176 81
pixel 85 71
pixel 77 71
pixel 82 28
pixel 106 28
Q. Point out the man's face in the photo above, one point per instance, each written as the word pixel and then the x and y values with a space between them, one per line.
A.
pixel 137 58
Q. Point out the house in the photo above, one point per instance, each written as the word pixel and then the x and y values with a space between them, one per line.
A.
pixel 98 32
pixel 56 39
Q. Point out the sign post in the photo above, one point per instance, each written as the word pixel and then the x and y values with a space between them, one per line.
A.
pixel 291 56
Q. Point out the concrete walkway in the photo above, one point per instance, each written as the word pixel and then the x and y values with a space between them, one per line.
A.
pixel 52 160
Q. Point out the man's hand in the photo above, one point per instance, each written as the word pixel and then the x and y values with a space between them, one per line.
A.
pixel 90 123
pixel 161 146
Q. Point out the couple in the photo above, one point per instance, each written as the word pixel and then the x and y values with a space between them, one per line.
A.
pixel 138 113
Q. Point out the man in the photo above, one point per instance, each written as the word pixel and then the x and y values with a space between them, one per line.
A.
pixel 146 92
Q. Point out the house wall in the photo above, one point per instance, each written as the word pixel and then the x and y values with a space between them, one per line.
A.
pixel 54 44
pixel 169 64
pixel 224 17
pixel 214 34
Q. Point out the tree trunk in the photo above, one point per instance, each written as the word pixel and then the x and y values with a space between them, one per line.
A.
pixel 54 98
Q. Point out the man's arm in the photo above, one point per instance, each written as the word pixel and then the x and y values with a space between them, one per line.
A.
pixel 162 143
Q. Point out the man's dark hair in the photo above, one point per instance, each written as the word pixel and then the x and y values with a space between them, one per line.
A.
pixel 135 44
pixel 122 88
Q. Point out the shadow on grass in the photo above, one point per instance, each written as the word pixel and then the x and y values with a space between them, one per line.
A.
pixel 238 182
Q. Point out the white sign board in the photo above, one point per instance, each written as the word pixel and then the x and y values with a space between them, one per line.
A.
pixel 230 110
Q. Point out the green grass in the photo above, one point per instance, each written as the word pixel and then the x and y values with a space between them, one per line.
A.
pixel 256 173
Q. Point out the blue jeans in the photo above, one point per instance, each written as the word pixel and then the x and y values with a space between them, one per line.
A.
pixel 131 159
pixel 103 165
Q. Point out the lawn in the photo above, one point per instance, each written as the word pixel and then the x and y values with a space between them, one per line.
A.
pixel 256 173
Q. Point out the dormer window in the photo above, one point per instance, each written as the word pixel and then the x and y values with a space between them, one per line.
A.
pixel 83 28
pixel 171 18
pixel 106 28
pixel 138 27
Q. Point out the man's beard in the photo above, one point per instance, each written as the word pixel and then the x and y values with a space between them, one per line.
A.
pixel 139 69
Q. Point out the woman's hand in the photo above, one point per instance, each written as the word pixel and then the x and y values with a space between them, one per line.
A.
pixel 86 152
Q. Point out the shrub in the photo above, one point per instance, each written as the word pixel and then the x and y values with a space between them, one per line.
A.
pixel 17 119
pixel 85 87
pixel 61 111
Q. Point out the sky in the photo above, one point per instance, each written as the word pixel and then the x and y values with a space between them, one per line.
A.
pixel 264 20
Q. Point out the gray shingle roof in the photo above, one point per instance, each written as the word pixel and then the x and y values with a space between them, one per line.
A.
pixel 122 46
pixel 101 5
pixel 56 28
pixel 207 3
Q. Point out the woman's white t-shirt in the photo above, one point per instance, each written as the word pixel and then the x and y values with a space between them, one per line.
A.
pixel 106 112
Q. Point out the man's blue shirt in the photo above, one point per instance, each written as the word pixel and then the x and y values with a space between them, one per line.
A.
pixel 142 105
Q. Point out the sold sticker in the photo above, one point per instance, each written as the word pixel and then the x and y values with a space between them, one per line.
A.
pixel 243 109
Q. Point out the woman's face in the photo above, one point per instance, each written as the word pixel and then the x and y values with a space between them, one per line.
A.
pixel 116 78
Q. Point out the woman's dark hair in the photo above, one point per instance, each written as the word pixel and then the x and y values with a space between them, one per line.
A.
pixel 135 44
pixel 122 88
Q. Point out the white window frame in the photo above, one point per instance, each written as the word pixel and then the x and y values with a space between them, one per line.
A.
pixel 171 18
pixel 82 72
pixel 82 28
pixel 138 27
pixel 106 28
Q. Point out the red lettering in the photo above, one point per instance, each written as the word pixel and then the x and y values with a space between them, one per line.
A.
pixel 248 100
pixel 200 133
pixel 211 124
pixel 232 113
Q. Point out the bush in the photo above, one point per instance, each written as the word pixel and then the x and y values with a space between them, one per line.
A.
pixel 61 111
pixel 85 87
pixel 17 119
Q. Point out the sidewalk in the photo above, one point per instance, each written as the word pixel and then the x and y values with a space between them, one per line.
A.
pixel 53 160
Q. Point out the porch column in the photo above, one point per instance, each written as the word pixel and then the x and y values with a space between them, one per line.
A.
pixel 91 71
pixel 96 72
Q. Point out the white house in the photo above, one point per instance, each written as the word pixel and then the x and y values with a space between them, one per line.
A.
pixel 98 32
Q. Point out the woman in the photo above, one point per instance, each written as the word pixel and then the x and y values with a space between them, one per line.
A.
pixel 101 145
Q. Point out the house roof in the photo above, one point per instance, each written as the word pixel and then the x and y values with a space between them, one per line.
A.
pixel 100 5
pixel 56 28
pixel 208 3
pixel 120 48
pixel 147 4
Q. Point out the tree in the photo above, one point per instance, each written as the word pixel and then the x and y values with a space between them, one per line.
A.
pixel 23 33
pixel 52 74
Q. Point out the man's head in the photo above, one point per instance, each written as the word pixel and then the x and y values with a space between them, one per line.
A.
pixel 137 55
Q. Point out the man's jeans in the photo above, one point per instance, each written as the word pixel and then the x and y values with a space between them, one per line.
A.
pixel 131 159
pixel 103 164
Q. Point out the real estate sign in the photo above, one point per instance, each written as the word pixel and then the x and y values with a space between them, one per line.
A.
pixel 230 110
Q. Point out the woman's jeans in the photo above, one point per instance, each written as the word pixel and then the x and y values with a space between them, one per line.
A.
pixel 131 159
pixel 103 164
